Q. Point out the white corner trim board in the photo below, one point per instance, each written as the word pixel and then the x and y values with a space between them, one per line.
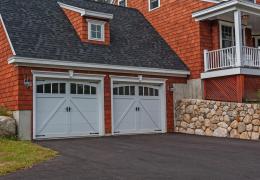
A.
pixel 85 12
pixel 230 72
pixel 7 35
pixel 34 62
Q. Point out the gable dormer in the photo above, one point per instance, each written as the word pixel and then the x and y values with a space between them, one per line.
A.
pixel 91 26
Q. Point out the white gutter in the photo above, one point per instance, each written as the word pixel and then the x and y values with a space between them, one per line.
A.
pixel 85 12
pixel 7 35
pixel 225 7
pixel 35 62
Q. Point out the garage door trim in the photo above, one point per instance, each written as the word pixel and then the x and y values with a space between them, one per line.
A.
pixel 141 79
pixel 70 75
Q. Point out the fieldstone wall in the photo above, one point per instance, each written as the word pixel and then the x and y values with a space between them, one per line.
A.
pixel 220 119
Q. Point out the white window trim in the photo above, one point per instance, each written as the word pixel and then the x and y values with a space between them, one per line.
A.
pixel 96 22
pixel 149 7
pixel 118 2
pixel 229 24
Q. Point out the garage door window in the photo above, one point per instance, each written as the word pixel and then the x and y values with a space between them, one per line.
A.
pixel 147 91
pixel 124 91
pixel 82 89
pixel 51 88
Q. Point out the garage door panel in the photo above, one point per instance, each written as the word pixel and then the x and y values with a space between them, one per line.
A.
pixel 124 115
pixel 65 112
pixel 150 118
pixel 139 113
pixel 84 115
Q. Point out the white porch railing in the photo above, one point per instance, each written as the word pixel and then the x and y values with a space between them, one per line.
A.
pixel 251 57
pixel 227 58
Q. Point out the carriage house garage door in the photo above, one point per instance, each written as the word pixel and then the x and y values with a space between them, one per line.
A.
pixel 66 108
pixel 138 108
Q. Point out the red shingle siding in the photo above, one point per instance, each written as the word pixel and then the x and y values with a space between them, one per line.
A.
pixel 81 27
pixel 173 20
pixel 8 74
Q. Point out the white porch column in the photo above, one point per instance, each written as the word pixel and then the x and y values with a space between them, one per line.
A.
pixel 238 36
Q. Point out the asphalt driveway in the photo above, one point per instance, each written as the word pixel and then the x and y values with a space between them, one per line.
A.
pixel 151 157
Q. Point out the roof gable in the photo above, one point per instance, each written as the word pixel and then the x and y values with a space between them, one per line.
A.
pixel 40 29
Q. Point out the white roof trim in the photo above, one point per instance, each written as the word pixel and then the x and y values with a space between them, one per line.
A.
pixel 225 7
pixel 23 61
pixel 7 35
pixel 229 72
pixel 85 12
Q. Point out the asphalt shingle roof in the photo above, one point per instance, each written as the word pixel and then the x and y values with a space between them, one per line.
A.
pixel 40 29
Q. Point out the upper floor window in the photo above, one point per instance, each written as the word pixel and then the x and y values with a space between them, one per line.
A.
pixel 154 4
pixel 227 35
pixel 122 3
pixel 96 30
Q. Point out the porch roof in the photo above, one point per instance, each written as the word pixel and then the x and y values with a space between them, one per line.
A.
pixel 226 7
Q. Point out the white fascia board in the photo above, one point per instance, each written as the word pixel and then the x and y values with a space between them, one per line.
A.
pixel 220 73
pixel 230 72
pixel 72 8
pixel 7 35
pixel 98 14
pixel 34 62
pixel 85 12
pixel 223 8
pixel 136 79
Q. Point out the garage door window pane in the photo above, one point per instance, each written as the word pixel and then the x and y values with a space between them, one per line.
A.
pixel 93 90
pixel 40 88
pixel 151 92
pixel 132 90
pixel 127 93
pixel 86 89
pixel 156 92
pixel 141 91
pixel 145 91
pixel 121 90
pixel 73 88
pixel 80 89
pixel 62 88
pixel 47 88
pixel 115 91
pixel 55 88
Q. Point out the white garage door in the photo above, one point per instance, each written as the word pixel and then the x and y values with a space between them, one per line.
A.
pixel 136 109
pixel 66 109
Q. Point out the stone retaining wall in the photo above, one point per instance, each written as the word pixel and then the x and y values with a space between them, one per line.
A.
pixel 220 119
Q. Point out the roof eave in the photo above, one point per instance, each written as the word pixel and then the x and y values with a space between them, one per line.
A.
pixel 85 12
pixel 223 8
pixel 35 62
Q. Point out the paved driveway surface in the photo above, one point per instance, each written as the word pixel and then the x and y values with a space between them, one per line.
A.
pixel 148 157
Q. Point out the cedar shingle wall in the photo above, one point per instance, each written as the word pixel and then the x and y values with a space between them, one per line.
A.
pixel 173 20
pixel 8 74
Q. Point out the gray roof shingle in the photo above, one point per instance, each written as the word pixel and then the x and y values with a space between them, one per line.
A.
pixel 40 29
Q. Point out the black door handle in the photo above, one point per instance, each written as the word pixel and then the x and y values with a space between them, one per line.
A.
pixel 138 108
pixel 69 109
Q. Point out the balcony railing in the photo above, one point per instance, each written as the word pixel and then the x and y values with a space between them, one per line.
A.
pixel 227 58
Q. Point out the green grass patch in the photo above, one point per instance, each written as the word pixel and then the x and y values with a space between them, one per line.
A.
pixel 15 155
